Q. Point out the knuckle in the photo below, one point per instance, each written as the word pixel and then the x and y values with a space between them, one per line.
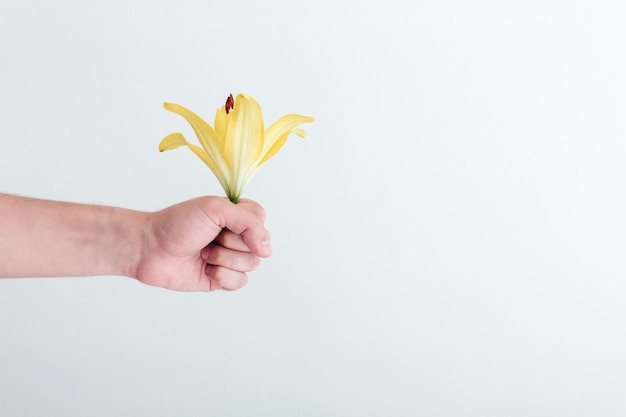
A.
pixel 255 208
pixel 260 212
pixel 255 263
pixel 229 280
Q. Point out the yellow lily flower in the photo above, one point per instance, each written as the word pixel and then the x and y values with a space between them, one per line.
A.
pixel 237 146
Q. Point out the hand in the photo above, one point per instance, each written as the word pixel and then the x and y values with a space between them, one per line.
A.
pixel 205 244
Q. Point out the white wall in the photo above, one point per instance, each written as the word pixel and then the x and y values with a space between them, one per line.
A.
pixel 449 239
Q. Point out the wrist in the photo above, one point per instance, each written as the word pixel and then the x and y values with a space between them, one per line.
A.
pixel 128 232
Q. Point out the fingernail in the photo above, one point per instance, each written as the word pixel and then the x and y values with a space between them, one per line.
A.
pixel 266 247
pixel 204 253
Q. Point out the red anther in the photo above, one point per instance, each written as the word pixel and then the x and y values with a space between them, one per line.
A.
pixel 230 103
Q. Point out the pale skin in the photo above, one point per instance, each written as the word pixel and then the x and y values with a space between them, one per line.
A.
pixel 204 244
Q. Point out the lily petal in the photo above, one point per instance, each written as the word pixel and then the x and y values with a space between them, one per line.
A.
pixel 172 141
pixel 244 138
pixel 276 135
pixel 210 140
pixel 221 121
pixel 176 140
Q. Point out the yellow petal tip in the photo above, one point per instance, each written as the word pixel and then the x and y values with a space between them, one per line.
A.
pixel 172 141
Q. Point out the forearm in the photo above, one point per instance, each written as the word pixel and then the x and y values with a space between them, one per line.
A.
pixel 40 238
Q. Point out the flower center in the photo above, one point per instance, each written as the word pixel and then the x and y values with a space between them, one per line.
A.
pixel 230 103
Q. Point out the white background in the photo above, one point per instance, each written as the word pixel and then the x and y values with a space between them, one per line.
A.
pixel 449 240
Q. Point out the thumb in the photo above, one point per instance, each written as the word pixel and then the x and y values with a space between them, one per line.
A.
pixel 242 221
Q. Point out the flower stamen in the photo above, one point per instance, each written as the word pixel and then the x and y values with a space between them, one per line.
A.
pixel 230 103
